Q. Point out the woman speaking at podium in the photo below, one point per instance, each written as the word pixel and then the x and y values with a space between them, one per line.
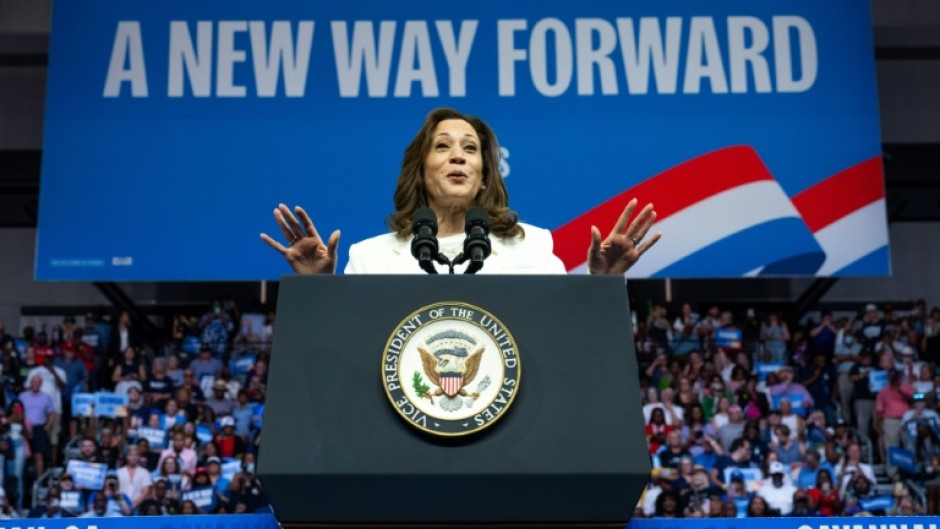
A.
pixel 452 165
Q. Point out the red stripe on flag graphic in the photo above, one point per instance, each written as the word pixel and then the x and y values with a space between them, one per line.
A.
pixel 670 192
pixel 841 194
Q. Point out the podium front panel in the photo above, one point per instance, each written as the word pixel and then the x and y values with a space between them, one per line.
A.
pixel 571 449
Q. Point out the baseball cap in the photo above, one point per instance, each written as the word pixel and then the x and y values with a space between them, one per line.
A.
pixel 213 459
pixel 226 421
pixel 871 306
pixel 776 468
pixel 737 475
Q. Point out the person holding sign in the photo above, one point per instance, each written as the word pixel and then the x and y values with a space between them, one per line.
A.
pixel 450 166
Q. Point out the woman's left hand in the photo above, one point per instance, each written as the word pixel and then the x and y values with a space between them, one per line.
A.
pixel 624 245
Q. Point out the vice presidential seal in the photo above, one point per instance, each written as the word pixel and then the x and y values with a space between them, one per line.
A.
pixel 451 369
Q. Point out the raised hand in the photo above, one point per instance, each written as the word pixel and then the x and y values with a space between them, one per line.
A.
pixel 306 252
pixel 624 245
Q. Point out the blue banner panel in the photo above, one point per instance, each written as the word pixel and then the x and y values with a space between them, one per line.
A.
pixel 264 521
pixel 174 128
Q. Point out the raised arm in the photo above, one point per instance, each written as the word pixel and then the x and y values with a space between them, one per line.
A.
pixel 624 244
pixel 306 252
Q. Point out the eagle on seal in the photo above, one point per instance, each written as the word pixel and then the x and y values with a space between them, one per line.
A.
pixel 451 370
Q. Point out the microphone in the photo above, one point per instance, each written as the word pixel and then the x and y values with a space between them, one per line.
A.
pixel 476 246
pixel 424 238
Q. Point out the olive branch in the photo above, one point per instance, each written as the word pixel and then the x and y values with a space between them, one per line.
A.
pixel 420 387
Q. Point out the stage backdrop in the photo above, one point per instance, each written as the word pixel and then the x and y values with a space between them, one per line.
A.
pixel 173 128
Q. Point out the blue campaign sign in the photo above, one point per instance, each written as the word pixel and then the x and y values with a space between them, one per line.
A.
pixel 728 338
pixel 763 369
pixel 752 126
pixel 203 497
pixel 155 436
pixel 203 434
pixel 83 404
pixel 902 458
pixel 110 404
pixel 877 380
pixel 795 400
pixel 88 476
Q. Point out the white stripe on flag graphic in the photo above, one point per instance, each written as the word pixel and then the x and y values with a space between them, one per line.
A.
pixel 712 219
pixel 852 237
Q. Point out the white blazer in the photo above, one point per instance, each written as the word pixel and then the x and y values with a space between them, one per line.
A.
pixel 386 254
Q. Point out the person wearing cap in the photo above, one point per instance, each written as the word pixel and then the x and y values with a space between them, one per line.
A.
pixel 871 325
pixel 661 479
pixel 891 404
pixel 220 402
pixel 231 445
pixel 205 365
pixel 919 413
pixel 778 491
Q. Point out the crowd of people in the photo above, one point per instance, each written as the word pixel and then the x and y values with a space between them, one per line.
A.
pixel 182 440
pixel 746 416
pixel 749 416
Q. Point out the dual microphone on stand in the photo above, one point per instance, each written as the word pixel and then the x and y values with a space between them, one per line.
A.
pixel 476 247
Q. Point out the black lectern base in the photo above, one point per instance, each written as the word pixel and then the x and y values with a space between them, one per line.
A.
pixel 338 451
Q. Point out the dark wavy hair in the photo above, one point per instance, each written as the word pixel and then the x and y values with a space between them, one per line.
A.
pixel 411 193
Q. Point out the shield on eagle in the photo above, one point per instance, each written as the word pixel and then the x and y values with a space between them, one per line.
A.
pixel 451 383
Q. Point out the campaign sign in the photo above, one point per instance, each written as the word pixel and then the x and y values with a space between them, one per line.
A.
pixel 753 478
pixel 242 365
pixel 763 369
pixel 230 467
pixel 155 436
pixel 751 126
pixel 796 401
pixel 877 380
pixel 203 497
pixel 83 404
pixel 71 501
pixel 88 476
pixel 110 404
pixel 878 503
pixel 203 434
pixel 728 338
pixel 902 458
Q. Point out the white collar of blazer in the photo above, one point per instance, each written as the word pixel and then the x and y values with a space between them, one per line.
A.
pixel 405 263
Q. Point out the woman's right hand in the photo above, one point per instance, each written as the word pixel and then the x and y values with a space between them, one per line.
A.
pixel 306 252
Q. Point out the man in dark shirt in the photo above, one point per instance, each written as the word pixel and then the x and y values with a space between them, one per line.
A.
pixel 674 451
pixel 159 386
pixel 864 398
pixel 872 326
pixel 740 457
